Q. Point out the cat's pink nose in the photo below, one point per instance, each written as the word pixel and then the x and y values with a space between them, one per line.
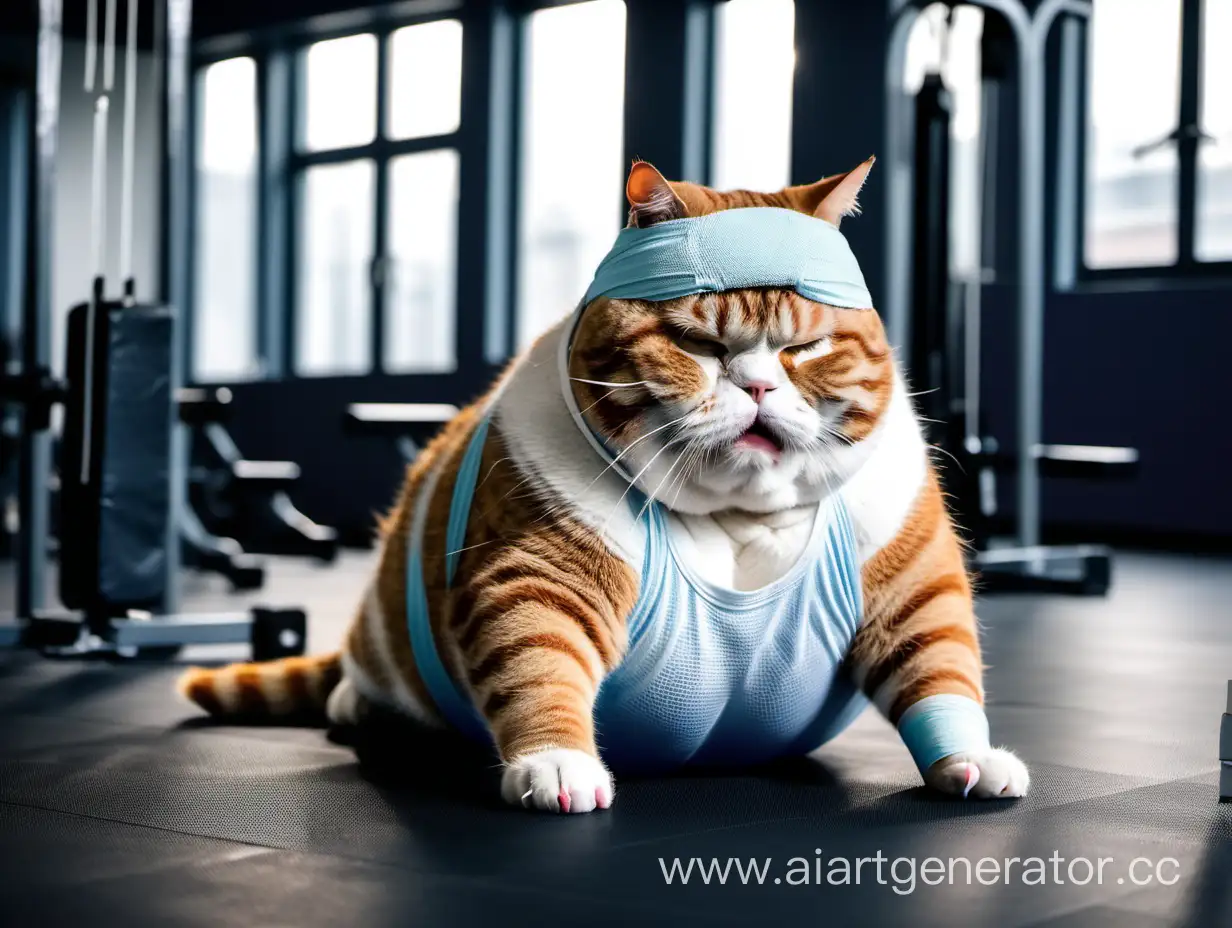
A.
pixel 758 389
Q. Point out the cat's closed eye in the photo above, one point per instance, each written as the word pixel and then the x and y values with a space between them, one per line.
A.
pixel 703 347
pixel 804 347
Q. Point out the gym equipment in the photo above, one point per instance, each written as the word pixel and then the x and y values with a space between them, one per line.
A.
pixel 409 425
pixel 118 467
pixel 203 550
pixel 1225 751
pixel 244 499
pixel 10 427
pixel 199 547
pixel 941 330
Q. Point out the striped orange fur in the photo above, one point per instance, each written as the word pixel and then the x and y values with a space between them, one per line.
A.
pixel 919 636
pixel 290 686
pixel 536 615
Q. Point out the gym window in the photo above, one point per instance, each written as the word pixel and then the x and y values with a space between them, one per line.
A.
pixel 225 293
pixel 331 248
pixel 325 207
pixel 754 65
pixel 375 200
pixel 1158 192
pixel 572 166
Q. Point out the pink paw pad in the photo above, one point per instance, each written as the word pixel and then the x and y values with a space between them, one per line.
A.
pixel 602 799
pixel 565 801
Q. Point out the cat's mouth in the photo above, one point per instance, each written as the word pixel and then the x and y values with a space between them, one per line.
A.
pixel 759 437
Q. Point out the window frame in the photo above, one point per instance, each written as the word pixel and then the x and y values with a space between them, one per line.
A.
pixel 380 151
pixel 279 55
pixel 489 146
pixel 1187 136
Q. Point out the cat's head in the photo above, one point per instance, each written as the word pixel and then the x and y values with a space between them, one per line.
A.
pixel 753 399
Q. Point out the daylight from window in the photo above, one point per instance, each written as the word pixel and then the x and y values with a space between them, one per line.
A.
pixel 954 50
pixel 335 251
pixel 755 61
pixel 340 92
pixel 1133 86
pixel 225 280
pixel 425 79
pixel 1213 235
pixel 420 284
pixel 572 179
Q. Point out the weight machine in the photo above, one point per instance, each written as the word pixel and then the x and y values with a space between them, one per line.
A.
pixel 121 467
pixel 937 318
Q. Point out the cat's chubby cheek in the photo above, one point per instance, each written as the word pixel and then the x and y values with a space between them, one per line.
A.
pixel 710 368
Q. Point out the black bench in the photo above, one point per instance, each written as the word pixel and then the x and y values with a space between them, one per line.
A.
pixel 242 498
pixel 409 425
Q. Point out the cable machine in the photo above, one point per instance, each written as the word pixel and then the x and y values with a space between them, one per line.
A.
pixel 937 318
pixel 121 466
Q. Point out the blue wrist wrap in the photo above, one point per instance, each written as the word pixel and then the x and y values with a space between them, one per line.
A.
pixel 938 726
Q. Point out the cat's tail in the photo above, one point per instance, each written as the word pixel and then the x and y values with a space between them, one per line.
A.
pixel 290 686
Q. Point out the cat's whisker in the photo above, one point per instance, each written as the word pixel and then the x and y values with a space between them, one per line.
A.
pixel 492 468
pixel 490 541
pixel 653 496
pixel 694 455
pixel 509 493
pixel 700 457
pixel 948 455
pixel 610 383
pixel 596 403
pixel 629 448
pixel 615 460
pixel 696 463
pixel 632 484
pixel 565 505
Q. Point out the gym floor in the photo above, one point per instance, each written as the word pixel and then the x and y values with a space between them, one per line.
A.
pixel 118 803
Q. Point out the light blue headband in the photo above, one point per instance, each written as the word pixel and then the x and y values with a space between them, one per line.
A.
pixel 733 249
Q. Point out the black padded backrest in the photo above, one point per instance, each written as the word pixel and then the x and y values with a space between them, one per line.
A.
pixel 115 459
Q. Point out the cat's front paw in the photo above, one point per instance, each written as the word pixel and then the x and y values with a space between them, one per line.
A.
pixel 991 774
pixel 557 780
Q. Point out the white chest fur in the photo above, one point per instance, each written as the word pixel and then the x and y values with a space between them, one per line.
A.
pixel 744 550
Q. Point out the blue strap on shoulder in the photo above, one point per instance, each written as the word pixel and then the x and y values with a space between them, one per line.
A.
pixel 938 726
pixel 463 494
pixel 450 701
pixel 843 564
pixel 654 562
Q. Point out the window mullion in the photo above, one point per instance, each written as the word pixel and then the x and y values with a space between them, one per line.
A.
pixel 1188 134
pixel 381 265
pixel 275 127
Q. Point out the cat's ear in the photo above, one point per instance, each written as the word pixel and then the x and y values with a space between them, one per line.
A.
pixel 651 198
pixel 839 195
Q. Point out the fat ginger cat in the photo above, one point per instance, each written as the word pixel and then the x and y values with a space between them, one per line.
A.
pixel 701 528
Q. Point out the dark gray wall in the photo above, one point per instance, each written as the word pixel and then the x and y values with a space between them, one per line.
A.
pixel 1140 367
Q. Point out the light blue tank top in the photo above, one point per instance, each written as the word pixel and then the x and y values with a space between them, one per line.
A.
pixel 711 675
